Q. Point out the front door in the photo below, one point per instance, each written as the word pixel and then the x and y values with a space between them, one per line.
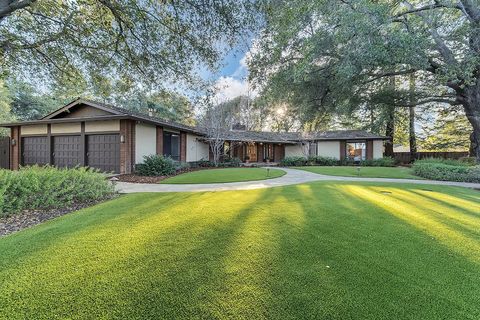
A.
pixel 252 152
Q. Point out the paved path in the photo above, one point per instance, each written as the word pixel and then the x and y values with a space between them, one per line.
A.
pixel 293 176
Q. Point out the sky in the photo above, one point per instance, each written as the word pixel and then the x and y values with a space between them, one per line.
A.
pixel 230 80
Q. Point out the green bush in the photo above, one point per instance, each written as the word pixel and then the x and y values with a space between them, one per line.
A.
pixel 48 187
pixel 446 172
pixel 157 165
pixel 380 162
pixel 322 161
pixel 294 161
pixel 450 162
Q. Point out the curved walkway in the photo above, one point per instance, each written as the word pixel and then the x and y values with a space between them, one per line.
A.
pixel 293 176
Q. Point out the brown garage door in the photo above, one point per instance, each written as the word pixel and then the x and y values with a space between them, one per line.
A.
pixel 103 152
pixel 34 151
pixel 66 151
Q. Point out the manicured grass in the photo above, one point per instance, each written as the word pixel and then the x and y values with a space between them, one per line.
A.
pixel 367 172
pixel 322 250
pixel 224 175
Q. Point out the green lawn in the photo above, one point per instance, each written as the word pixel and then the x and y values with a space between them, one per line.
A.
pixel 321 250
pixel 367 172
pixel 224 175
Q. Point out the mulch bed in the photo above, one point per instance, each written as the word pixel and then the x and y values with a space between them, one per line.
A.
pixel 30 218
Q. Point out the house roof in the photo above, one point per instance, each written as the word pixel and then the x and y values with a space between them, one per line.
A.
pixel 294 137
pixel 115 112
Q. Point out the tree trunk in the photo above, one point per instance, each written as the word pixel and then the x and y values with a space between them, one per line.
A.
pixel 390 131
pixel 411 131
pixel 471 104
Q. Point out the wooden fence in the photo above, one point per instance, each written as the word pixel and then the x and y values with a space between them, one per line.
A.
pixel 405 157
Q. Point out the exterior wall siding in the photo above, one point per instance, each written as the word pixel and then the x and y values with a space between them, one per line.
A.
pixel 145 141
pixel 377 149
pixel 59 128
pixel 295 150
pixel 328 149
pixel 196 150
pixel 102 126
pixel 35 129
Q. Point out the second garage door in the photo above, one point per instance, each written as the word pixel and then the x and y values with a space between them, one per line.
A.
pixel 66 151
pixel 103 152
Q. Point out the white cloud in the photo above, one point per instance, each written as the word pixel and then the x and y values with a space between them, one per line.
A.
pixel 229 87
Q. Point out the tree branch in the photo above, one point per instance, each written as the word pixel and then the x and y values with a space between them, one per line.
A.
pixel 7 7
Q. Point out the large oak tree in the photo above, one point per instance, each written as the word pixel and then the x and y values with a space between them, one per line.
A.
pixel 330 55
pixel 133 41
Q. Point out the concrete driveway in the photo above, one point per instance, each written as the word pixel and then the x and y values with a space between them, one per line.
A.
pixel 293 176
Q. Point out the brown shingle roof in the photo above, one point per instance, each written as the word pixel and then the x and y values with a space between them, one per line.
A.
pixel 234 135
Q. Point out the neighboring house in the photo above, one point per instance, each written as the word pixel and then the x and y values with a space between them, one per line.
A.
pixel 113 139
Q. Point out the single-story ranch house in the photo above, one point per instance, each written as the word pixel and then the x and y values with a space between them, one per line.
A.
pixel 113 139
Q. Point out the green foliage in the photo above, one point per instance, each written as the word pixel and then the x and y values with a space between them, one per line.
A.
pixel 322 161
pixel 48 187
pixel 142 42
pixel 294 161
pixel 29 104
pixel 329 161
pixel 157 165
pixel 450 162
pixel 226 163
pixel 380 162
pixel 446 172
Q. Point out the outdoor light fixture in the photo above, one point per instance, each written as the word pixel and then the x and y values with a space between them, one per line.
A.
pixel 14 142
pixel 122 138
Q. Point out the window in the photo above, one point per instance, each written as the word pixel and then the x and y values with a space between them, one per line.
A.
pixel 267 152
pixel 356 150
pixel 171 145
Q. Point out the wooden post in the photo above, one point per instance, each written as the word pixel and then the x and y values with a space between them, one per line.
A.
pixel 183 147
pixel 15 150
pixel 159 140
pixel 83 145
pixel 343 149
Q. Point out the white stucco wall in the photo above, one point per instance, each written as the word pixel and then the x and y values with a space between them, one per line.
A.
pixel 328 149
pixel 73 127
pixel 145 141
pixel 196 150
pixel 99 126
pixel 33 129
pixel 377 149
pixel 295 150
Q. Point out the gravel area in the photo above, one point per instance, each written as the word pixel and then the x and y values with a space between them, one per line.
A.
pixel 30 218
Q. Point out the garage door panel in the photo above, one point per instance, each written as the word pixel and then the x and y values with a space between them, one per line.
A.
pixel 67 151
pixel 35 151
pixel 104 152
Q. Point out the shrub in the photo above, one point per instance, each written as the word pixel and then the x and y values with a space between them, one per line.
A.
pixel 450 162
pixel 446 172
pixel 471 161
pixel 48 187
pixel 294 161
pixel 380 162
pixel 156 165
pixel 322 161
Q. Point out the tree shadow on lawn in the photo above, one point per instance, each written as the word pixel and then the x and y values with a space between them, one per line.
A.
pixel 368 263
pixel 307 251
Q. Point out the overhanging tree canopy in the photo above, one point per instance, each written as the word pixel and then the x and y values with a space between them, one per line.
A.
pixel 146 41
pixel 329 55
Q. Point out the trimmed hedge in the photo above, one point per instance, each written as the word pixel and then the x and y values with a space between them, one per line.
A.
pixel 329 161
pixel 157 165
pixel 226 163
pixel 446 172
pixel 33 188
